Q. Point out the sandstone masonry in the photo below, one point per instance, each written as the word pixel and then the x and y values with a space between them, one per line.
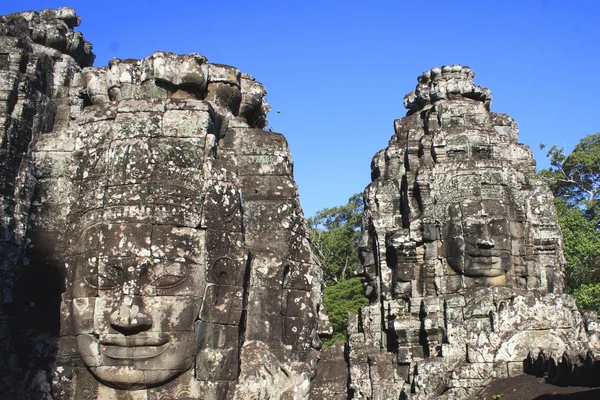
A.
pixel 461 254
pixel 151 189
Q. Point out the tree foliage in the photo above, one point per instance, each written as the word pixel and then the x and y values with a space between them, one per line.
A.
pixel 588 297
pixel 335 233
pixel 575 178
pixel 340 299
pixel 575 182
pixel 582 245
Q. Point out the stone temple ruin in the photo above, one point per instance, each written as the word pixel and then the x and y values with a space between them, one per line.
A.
pixel 153 245
pixel 188 269
pixel 461 253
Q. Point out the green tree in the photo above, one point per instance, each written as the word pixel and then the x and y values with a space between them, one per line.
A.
pixel 575 178
pixel 575 181
pixel 588 297
pixel 340 299
pixel 582 246
pixel 335 233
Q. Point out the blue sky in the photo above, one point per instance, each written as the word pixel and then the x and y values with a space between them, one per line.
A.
pixel 338 71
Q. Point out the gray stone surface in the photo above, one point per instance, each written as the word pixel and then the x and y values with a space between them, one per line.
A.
pixel 461 253
pixel 40 55
pixel 151 187
pixel 153 246
pixel 331 380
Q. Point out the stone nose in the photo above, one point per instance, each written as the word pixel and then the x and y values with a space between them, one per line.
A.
pixel 130 318
pixel 484 241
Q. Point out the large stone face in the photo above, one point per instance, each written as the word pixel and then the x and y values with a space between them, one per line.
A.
pixel 151 187
pixel 461 252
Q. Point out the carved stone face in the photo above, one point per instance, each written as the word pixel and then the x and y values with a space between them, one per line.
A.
pixel 478 242
pixel 134 311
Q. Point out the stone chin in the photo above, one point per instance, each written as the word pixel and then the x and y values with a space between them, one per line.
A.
pixel 140 362
pixel 130 378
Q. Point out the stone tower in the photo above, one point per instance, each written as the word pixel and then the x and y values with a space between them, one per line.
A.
pixel 461 252
pixel 150 188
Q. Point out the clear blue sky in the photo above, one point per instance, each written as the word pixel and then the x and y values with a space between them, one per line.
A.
pixel 339 70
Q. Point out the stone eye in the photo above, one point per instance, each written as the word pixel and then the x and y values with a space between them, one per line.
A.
pixel 105 284
pixel 168 281
pixel 101 282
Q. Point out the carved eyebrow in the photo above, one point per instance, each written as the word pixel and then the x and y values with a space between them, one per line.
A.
pixel 102 282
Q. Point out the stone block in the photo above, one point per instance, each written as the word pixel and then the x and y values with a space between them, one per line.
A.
pixel 254 142
pixel 100 111
pixel 260 326
pixel 515 368
pixel 217 364
pixel 125 239
pixel 299 303
pixel 230 269
pixel 224 96
pixel 267 187
pixel 130 161
pixel 298 276
pixel 222 207
pixel 188 123
pixel 266 164
pixel 68 356
pixel 298 332
pixel 51 164
pixel 147 108
pixel 223 304
pixel 267 224
pixel 138 124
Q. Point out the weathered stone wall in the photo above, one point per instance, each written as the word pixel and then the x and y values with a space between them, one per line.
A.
pixel 39 56
pixel 461 253
pixel 149 188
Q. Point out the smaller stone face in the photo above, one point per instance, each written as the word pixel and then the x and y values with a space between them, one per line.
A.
pixel 455 201
pixel 478 241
